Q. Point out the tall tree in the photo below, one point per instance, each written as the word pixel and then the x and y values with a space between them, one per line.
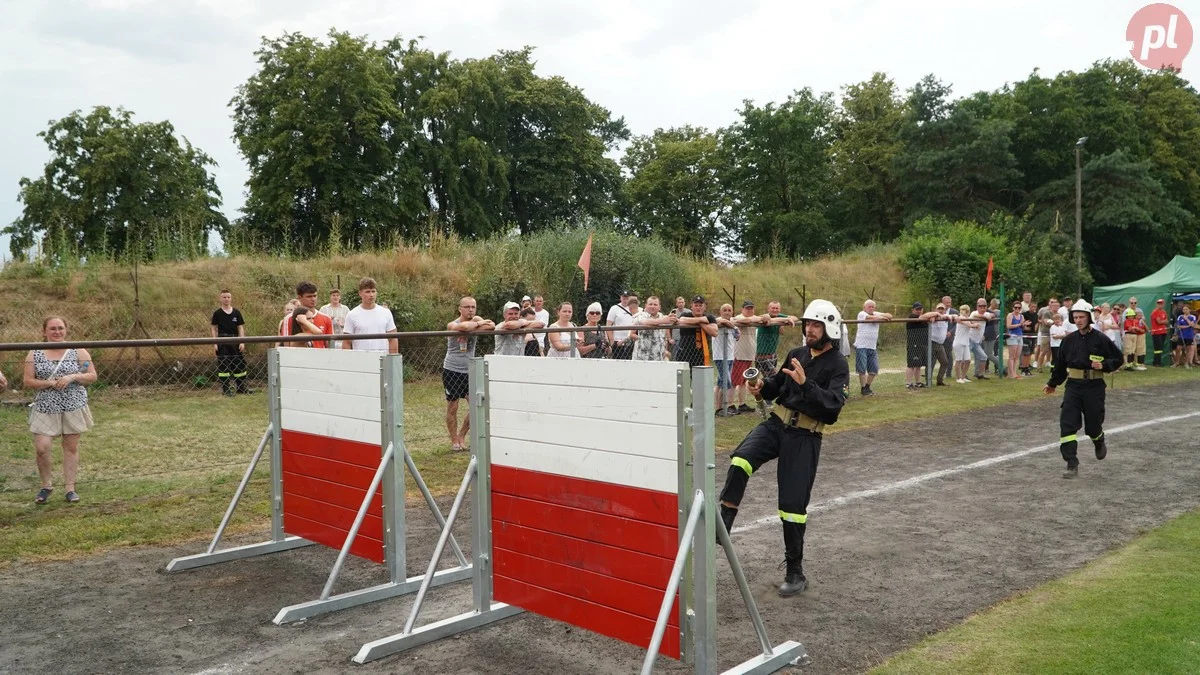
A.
pixel 866 142
pixel 779 179
pixel 955 162
pixel 1130 226
pixel 675 190
pixel 114 186
pixel 319 127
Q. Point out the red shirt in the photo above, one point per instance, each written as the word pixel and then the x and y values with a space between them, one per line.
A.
pixel 1135 326
pixel 320 321
pixel 1158 322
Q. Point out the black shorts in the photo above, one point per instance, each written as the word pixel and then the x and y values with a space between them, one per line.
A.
pixel 456 384
pixel 1027 343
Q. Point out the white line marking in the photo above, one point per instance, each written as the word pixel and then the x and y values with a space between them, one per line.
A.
pixel 924 478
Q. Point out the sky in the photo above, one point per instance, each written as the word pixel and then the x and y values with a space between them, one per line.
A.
pixel 657 63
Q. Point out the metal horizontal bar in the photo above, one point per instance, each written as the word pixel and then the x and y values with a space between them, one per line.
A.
pixel 363 596
pixel 434 631
pixel 237 553
pixel 787 654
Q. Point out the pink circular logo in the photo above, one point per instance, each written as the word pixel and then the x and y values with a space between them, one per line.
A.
pixel 1159 36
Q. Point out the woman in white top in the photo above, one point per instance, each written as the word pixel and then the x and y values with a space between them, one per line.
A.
pixel 1058 331
pixel 560 343
pixel 1109 326
pixel 962 347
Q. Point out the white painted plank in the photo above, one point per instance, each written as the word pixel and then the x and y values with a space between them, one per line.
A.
pixel 331 359
pixel 656 376
pixel 332 426
pixel 339 405
pixel 582 401
pixel 625 438
pixel 329 381
pixel 606 467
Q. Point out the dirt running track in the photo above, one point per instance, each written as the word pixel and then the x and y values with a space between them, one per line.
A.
pixel 887 567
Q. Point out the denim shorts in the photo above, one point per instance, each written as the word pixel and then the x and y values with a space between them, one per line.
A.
pixel 866 361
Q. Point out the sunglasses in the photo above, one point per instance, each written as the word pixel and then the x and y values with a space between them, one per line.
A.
pixel 596 313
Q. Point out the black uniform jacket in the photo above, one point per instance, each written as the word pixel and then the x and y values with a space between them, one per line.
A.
pixel 822 395
pixel 1079 350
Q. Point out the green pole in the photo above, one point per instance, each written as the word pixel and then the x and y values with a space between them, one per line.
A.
pixel 1001 330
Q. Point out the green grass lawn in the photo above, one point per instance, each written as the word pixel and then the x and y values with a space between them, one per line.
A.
pixel 160 467
pixel 1134 611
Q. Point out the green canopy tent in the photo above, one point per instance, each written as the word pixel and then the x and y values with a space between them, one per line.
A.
pixel 1181 275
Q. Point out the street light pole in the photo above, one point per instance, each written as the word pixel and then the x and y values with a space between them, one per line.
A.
pixel 1079 217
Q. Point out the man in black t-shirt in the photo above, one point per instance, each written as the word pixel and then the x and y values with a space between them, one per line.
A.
pixel 1029 320
pixel 227 321
pixel 696 330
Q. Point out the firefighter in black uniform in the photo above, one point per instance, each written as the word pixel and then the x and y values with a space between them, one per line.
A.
pixel 1083 358
pixel 227 321
pixel 809 391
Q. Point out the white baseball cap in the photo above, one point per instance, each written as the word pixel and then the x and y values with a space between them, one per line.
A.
pixel 511 305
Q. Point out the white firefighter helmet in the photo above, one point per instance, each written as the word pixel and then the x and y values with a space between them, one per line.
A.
pixel 825 312
pixel 1081 305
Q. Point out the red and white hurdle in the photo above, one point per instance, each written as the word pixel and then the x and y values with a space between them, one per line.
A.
pixel 595 505
pixel 336 431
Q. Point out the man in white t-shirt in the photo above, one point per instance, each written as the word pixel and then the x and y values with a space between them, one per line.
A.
pixel 622 345
pixel 866 341
pixel 370 319
pixel 513 344
pixel 976 337
pixel 337 313
pixel 745 352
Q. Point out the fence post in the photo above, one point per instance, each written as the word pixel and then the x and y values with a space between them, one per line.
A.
pixel 1001 334
pixel 928 354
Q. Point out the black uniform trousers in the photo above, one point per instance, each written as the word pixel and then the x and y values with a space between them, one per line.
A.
pixel 1160 344
pixel 797 451
pixel 231 364
pixel 1081 399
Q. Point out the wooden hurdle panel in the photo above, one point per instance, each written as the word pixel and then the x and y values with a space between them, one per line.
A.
pixel 595 505
pixel 337 479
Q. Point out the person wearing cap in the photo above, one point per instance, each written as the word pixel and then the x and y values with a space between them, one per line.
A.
pixel 866 345
pixel 938 329
pixel 809 393
pixel 622 344
pixel 617 311
pixel 526 301
pixel 744 351
pixel 513 344
pixel 1083 358
pixel 1158 331
pixel 1133 340
pixel 917 332
pixel 697 328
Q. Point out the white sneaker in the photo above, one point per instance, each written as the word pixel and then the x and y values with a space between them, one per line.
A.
pixel 1140 368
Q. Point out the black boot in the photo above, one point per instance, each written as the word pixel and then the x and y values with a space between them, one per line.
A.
pixel 1072 471
pixel 1101 448
pixel 793 543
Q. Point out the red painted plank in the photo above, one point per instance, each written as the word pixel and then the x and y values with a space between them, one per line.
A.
pixel 350 475
pixel 596 618
pixel 331 493
pixel 612 561
pixel 334 516
pixel 590 495
pixel 595 588
pixel 363 547
pixel 634 535
pixel 351 452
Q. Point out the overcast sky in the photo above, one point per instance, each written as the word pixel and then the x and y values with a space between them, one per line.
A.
pixel 658 63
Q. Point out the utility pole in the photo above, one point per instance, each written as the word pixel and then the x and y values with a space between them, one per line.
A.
pixel 1079 217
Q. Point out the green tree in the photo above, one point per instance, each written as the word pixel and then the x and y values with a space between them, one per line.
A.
pixel 114 186
pixel 675 189
pixel 779 176
pixel 320 130
pixel 955 162
pixel 866 142
pixel 1130 226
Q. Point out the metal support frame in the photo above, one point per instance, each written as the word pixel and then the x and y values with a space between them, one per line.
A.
pixel 389 477
pixel 693 574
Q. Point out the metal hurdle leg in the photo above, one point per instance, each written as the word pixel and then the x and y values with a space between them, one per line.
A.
pixel 279 541
pixel 485 610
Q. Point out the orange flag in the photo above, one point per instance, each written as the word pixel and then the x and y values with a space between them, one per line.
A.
pixel 585 261
pixel 988 283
